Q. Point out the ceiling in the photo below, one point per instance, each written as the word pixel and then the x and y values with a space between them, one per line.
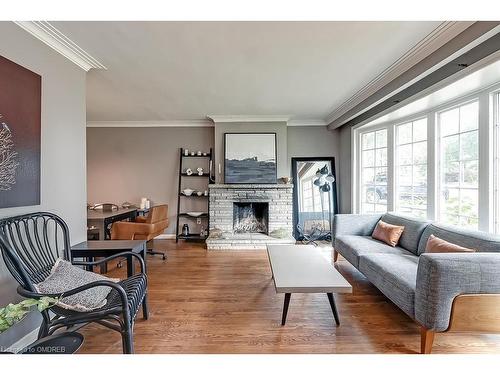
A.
pixel 485 77
pixel 170 71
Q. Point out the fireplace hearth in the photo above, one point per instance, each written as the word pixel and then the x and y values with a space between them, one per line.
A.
pixel 250 217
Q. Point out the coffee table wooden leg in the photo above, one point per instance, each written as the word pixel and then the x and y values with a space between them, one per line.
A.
pixel 285 308
pixel 334 308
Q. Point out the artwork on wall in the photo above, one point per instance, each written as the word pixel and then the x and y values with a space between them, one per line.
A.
pixel 250 158
pixel 20 121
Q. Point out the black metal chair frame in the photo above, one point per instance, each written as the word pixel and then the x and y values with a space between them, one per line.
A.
pixel 29 255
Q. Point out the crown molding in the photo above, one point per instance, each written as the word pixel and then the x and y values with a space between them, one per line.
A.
pixel 151 124
pixel 59 42
pixel 438 37
pixel 245 118
pixel 307 122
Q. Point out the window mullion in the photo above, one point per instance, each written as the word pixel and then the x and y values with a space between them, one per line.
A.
pixel 432 183
pixel 391 169
pixel 485 199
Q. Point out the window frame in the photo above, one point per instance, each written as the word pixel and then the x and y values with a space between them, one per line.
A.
pixel 489 147
pixel 439 162
pixel 359 169
pixel 396 165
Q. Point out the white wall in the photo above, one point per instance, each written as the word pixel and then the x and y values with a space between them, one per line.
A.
pixel 63 163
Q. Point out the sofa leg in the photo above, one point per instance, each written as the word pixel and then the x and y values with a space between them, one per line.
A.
pixel 426 340
pixel 335 255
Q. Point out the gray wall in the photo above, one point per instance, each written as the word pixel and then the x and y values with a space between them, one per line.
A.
pixel 313 141
pixel 280 128
pixel 63 184
pixel 345 170
pixel 125 164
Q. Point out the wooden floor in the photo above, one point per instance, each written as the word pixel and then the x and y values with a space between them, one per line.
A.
pixel 224 302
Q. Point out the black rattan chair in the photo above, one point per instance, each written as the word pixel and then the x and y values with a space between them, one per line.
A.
pixel 30 246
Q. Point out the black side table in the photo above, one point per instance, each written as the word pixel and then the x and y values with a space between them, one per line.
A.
pixel 93 249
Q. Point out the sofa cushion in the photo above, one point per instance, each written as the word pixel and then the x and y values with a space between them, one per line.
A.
pixel 395 275
pixel 473 239
pixel 438 245
pixel 388 233
pixel 352 247
pixel 413 230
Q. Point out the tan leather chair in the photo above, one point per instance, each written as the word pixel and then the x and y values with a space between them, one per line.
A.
pixel 143 228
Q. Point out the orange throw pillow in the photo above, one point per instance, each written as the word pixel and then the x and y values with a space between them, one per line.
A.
pixel 438 245
pixel 388 233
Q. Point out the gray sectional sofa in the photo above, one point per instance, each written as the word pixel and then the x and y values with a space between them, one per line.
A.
pixel 426 286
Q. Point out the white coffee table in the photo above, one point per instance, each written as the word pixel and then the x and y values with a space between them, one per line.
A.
pixel 303 269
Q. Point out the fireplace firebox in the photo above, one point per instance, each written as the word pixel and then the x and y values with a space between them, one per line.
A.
pixel 250 217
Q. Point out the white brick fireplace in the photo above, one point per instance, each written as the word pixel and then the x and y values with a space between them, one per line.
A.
pixel 249 216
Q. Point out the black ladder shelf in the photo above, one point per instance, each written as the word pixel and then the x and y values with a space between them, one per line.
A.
pixel 181 195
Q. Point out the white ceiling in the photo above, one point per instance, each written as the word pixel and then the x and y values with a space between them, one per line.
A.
pixel 168 71
pixel 484 77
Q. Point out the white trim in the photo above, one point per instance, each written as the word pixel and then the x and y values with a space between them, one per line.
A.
pixel 59 42
pixel 437 38
pixel 150 124
pixel 165 236
pixel 248 118
pixel 307 122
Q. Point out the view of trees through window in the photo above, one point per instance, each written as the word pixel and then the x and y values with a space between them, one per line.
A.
pixel 459 165
pixel 374 171
pixel 411 168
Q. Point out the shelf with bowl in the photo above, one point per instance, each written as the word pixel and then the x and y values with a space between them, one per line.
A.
pixel 205 165
pixel 192 236
pixel 193 215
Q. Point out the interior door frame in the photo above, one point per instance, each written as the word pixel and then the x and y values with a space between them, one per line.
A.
pixel 295 161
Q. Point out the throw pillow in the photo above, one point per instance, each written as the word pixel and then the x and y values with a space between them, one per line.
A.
pixel 438 245
pixel 388 233
pixel 64 276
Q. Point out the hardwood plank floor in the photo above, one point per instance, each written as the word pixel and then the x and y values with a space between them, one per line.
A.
pixel 224 302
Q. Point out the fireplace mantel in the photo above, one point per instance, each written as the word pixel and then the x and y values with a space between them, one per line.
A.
pixel 250 186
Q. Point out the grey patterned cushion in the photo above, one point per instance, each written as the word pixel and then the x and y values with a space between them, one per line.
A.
pixel 393 275
pixel 353 247
pixel 413 230
pixel 65 276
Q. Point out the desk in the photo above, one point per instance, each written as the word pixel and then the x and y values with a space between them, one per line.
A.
pixel 102 219
pixel 94 249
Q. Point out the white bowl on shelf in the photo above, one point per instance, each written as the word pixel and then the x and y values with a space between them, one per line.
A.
pixel 188 192
pixel 195 214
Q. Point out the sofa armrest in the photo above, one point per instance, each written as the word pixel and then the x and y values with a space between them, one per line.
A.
pixel 442 277
pixel 351 224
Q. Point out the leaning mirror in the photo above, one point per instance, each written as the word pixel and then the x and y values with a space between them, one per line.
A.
pixel 314 198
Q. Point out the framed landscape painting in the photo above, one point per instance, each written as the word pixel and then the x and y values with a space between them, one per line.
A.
pixel 250 158
pixel 20 122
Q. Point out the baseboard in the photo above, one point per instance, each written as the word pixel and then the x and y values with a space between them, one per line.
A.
pixel 165 236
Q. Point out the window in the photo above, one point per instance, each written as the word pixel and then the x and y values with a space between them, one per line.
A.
pixel 374 171
pixel 496 193
pixel 459 165
pixel 411 168
pixel 311 197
